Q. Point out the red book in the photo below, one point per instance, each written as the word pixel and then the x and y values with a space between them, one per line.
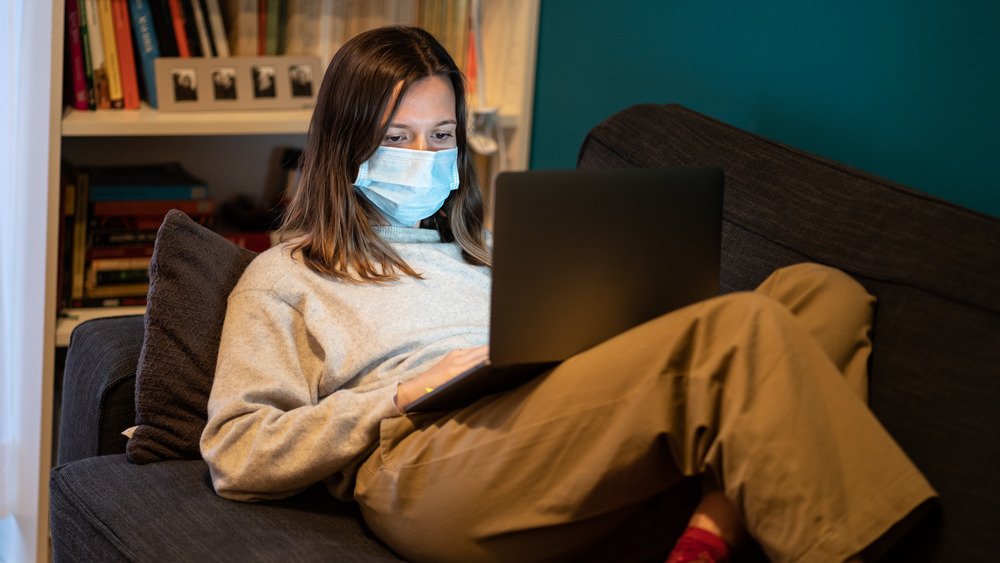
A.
pixel 81 93
pixel 126 59
pixel 177 14
pixel 153 207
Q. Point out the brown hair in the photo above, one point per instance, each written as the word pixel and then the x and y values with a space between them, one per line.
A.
pixel 336 222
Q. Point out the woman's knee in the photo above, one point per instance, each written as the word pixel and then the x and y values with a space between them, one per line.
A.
pixel 811 285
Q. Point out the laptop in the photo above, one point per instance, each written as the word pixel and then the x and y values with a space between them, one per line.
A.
pixel 580 256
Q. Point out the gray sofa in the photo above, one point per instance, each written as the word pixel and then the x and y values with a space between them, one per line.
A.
pixel 935 370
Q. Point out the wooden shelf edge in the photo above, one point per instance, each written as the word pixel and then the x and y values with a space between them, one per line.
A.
pixel 148 122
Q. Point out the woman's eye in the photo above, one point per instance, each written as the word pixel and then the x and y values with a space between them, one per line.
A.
pixel 441 136
pixel 393 139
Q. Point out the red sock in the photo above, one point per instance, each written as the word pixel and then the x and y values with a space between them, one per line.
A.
pixel 699 546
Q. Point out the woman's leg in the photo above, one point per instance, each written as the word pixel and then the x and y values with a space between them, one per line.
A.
pixel 733 387
pixel 835 309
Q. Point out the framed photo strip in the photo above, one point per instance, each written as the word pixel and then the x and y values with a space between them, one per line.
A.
pixel 202 83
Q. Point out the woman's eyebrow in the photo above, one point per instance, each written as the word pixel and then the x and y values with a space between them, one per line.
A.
pixel 439 124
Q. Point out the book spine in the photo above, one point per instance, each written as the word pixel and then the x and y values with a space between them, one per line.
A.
pixel 102 96
pixel 163 23
pixel 79 235
pixel 85 47
pixel 190 29
pixel 121 236
pixel 77 69
pixel 262 28
pixel 247 21
pixel 218 28
pixel 106 264
pixel 139 300
pixel 202 29
pixel 275 28
pixel 111 61
pixel 114 277
pixel 153 207
pixel 148 47
pixel 121 251
pixel 180 33
pixel 147 192
pixel 126 57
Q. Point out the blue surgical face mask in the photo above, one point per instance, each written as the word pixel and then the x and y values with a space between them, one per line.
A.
pixel 408 185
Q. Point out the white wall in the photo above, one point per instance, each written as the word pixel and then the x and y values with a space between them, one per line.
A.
pixel 26 259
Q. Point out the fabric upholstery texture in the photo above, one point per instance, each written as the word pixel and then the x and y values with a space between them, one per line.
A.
pixel 191 275
pixel 98 388
pixel 934 268
pixel 168 512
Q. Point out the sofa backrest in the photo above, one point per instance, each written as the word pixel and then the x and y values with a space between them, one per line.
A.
pixel 934 268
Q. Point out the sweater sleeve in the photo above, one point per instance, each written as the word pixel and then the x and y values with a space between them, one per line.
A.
pixel 270 433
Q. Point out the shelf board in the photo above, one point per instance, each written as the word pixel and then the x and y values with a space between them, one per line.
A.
pixel 149 122
pixel 71 318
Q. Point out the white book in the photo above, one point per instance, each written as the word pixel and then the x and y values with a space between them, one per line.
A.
pixel 217 27
pixel 199 23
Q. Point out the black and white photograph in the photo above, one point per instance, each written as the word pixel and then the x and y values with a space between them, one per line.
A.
pixel 237 83
pixel 224 83
pixel 263 81
pixel 185 85
pixel 301 80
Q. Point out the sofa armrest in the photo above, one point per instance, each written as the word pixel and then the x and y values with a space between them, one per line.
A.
pixel 98 396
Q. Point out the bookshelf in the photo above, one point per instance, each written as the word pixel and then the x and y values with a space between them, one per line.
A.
pixel 147 122
pixel 234 151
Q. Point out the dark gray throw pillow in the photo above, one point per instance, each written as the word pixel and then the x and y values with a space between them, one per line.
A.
pixel 191 274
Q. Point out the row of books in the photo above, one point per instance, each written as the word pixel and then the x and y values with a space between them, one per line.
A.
pixel 111 44
pixel 110 219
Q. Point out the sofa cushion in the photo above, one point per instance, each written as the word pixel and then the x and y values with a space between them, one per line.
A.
pixel 932 265
pixel 191 274
pixel 107 509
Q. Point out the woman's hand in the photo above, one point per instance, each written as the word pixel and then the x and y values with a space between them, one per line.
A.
pixel 452 364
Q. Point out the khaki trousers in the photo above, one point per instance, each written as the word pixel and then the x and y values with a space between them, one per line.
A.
pixel 760 392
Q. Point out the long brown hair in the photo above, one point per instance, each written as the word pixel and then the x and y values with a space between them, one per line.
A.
pixel 337 223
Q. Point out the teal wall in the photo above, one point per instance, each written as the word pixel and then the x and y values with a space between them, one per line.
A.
pixel 907 89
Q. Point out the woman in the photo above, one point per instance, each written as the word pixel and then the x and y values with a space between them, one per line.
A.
pixel 384 294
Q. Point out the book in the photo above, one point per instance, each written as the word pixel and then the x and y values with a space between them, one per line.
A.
pixel 179 29
pixel 121 251
pixel 67 207
pixel 275 27
pixel 111 61
pixel 147 47
pixel 262 27
pixel 190 28
pixel 126 56
pixel 79 245
pixel 201 28
pixel 153 207
pixel 163 23
pixel 78 72
pixel 243 35
pixel 85 48
pixel 95 42
pixel 118 277
pixel 145 182
pixel 215 22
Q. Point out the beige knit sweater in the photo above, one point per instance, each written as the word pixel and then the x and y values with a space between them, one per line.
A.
pixel 308 366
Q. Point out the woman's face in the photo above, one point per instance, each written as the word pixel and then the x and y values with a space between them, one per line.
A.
pixel 425 119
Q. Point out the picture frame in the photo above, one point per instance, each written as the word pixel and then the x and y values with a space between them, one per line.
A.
pixel 221 83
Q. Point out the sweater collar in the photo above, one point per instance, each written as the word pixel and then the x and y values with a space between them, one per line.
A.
pixel 407 234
